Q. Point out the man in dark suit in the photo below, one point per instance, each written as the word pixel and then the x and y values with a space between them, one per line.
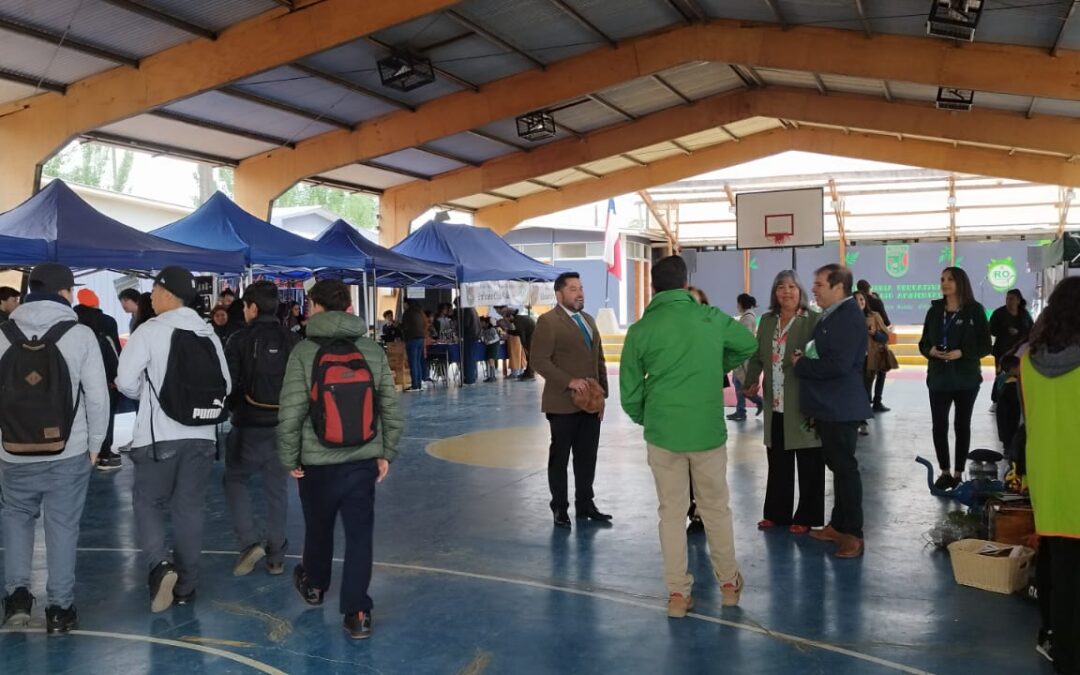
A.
pixel 567 352
pixel 834 396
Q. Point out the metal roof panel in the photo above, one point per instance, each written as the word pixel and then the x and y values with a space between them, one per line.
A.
pixel 629 18
pixel 13 91
pixel 190 137
pixel 41 59
pixel 366 176
pixel 218 107
pixel 309 92
pixel 539 28
pixel 470 147
pixel 418 161
pixel 214 15
pixel 702 78
pixel 641 96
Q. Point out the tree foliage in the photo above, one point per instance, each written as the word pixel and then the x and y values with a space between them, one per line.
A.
pixel 93 165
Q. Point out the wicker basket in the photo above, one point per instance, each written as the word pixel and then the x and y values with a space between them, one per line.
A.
pixel 1000 575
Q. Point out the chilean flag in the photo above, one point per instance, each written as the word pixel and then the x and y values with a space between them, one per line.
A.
pixel 612 247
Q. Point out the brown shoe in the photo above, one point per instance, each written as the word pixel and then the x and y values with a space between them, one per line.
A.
pixel 678 605
pixel 731 591
pixel 826 533
pixel 850 547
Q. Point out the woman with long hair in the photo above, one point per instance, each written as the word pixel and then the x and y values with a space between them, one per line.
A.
pixel 1050 380
pixel 1010 325
pixel 789 439
pixel 955 338
pixel 877 337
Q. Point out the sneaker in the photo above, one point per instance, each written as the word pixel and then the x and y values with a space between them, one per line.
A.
pixel 17 608
pixel 311 596
pixel 162 582
pixel 275 568
pixel 110 462
pixel 864 430
pixel 737 417
pixel 1043 644
pixel 765 524
pixel 60 620
pixel 731 591
pixel 678 605
pixel 358 625
pixel 249 557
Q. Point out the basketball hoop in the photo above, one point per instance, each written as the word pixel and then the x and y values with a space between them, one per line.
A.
pixel 778 238
pixel 779 227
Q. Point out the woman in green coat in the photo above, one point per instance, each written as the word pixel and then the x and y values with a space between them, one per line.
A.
pixel 785 329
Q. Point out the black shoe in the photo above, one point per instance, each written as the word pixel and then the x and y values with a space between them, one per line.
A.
pixel 760 411
pixel 358 625
pixel 562 517
pixel 737 417
pixel 590 512
pixel 162 582
pixel 878 407
pixel 183 600
pixel 1043 646
pixel 60 620
pixel 696 525
pixel 311 596
pixel 17 608
pixel 110 462
pixel 944 482
pixel 864 430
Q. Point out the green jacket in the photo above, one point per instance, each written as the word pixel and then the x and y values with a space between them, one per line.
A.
pixel 671 376
pixel 970 333
pixel 296 440
pixel 1049 382
pixel 802 330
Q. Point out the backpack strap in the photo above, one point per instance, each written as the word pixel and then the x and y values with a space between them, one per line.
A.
pixel 59 330
pixel 11 332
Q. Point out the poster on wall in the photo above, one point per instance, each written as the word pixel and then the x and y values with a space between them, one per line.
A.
pixel 518 293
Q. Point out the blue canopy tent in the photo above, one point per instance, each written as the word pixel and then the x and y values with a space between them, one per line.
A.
pixel 18 252
pixel 384 268
pixel 79 236
pixel 477 254
pixel 221 224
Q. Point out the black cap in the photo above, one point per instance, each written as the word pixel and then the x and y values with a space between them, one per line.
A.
pixel 177 281
pixel 51 277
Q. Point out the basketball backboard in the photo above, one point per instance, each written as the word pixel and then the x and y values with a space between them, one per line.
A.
pixel 780 218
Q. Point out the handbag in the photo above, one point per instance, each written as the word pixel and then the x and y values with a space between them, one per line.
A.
pixel 890 360
pixel 592 399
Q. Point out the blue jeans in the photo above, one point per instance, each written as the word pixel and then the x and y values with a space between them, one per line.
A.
pixel 60 486
pixel 414 351
pixel 740 400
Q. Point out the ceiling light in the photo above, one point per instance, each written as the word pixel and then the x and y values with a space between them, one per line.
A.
pixel 405 72
pixel 536 126
pixel 949 98
pixel 954 19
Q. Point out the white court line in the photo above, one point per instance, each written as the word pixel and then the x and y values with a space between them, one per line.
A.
pixel 752 628
pixel 213 651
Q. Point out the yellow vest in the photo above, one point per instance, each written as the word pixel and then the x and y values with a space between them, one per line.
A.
pixel 1052 419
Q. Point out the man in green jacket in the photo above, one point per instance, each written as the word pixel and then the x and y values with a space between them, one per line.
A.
pixel 672 382
pixel 336 479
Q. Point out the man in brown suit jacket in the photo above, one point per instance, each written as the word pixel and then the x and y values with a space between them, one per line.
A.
pixel 567 353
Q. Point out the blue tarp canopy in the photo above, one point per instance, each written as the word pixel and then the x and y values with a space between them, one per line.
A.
pixel 477 254
pixel 385 268
pixel 222 225
pixel 18 252
pixel 79 236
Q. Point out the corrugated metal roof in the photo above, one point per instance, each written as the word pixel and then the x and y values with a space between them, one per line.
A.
pixel 655 153
pixel 214 15
pixel 853 85
pixel 1002 101
pixel 217 107
pixel 519 190
pixel 753 125
pixel 13 91
pixel 309 92
pixel 187 136
pixel 41 59
pixel 365 176
pixel 914 92
pixel 470 147
pixel 564 177
pixel 418 161
pixel 609 165
pixel 641 96
pixel 704 139
pixel 621 20
pixel 787 78
pixel 702 78
pixel 477 60
pixel 539 28
pixel 507 129
pixel 1054 106
pixel 747 10
pixel 586 116
pixel 478 201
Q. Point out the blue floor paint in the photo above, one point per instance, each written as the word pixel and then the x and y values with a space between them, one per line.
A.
pixel 586 601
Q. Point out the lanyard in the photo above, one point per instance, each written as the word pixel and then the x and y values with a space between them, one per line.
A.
pixel 946 324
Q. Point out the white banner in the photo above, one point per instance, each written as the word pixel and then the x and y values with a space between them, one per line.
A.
pixel 494 293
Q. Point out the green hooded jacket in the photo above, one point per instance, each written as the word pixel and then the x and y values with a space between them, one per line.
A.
pixel 296 440
pixel 671 375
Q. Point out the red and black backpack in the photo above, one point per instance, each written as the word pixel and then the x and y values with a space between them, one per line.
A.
pixel 344 407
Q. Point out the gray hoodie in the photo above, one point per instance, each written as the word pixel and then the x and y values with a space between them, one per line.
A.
pixel 147 350
pixel 80 350
pixel 1056 364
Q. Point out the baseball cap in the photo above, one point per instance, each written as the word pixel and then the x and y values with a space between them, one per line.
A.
pixel 178 281
pixel 88 298
pixel 51 277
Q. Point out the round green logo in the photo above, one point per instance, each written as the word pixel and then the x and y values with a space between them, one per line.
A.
pixel 1002 274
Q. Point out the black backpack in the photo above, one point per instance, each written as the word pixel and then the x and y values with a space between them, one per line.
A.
pixel 263 369
pixel 343 407
pixel 35 392
pixel 193 391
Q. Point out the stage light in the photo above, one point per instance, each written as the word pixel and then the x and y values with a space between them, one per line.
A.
pixel 405 72
pixel 954 19
pixel 949 98
pixel 536 126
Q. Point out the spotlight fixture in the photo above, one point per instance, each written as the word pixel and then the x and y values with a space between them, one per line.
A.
pixel 405 72
pixel 954 19
pixel 536 126
pixel 949 98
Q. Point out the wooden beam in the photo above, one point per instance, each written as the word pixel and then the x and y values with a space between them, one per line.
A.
pixel 673 242
pixel 1045 133
pixel 1001 68
pixel 968 160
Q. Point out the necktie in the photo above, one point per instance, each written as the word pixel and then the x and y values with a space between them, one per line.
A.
pixel 584 330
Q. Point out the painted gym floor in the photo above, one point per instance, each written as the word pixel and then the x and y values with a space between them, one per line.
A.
pixel 472 578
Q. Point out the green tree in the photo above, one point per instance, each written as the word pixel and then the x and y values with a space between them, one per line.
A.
pixel 359 209
pixel 93 165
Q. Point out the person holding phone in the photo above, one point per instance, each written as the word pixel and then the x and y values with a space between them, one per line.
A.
pixel 955 337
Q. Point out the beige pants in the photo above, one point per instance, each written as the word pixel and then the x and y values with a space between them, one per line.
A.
pixel 673 472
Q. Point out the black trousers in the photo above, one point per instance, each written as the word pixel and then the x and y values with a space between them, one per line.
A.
pixel 875 385
pixel 526 346
pixel 1065 604
pixel 107 443
pixel 838 441
pixel 940 403
pixel 780 489
pixel 348 489
pixel 578 434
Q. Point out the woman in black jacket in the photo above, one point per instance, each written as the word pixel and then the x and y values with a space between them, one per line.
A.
pixel 1010 325
pixel 955 337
